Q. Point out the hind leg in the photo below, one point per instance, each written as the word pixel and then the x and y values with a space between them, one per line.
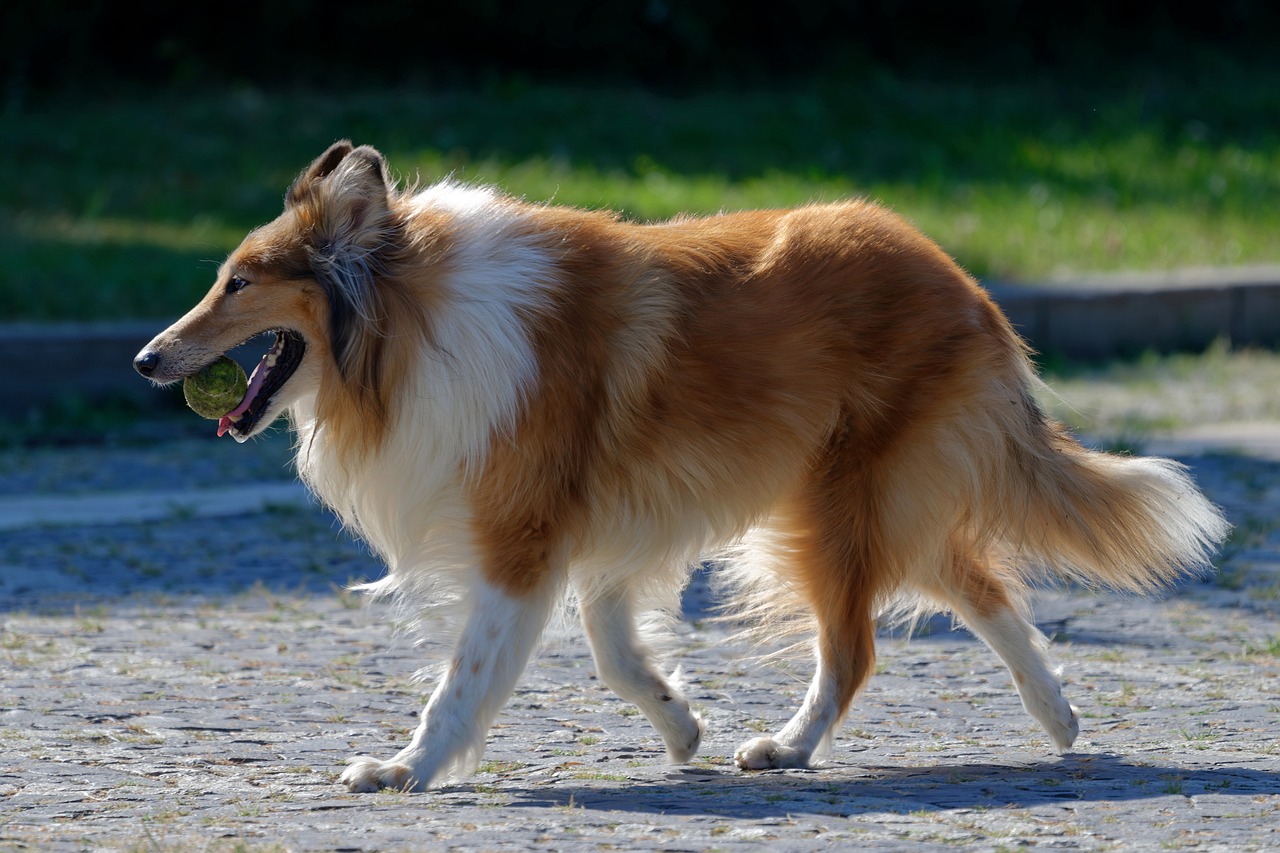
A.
pixel 982 602
pixel 842 669
pixel 842 550
pixel 624 664
pixel 839 567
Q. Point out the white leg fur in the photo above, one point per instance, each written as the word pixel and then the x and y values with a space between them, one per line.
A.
pixel 624 664
pixel 1022 648
pixel 499 635
pixel 800 738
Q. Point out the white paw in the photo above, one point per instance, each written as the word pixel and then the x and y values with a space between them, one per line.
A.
pixel 765 753
pixel 682 746
pixel 1060 719
pixel 364 775
pixel 1066 728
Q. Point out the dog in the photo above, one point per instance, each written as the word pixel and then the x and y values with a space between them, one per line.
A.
pixel 517 404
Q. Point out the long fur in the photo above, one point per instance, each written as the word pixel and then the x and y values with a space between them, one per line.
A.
pixel 506 398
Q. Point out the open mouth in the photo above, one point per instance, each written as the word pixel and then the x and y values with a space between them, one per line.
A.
pixel 268 377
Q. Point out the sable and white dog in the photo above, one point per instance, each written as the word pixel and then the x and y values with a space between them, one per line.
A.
pixel 513 402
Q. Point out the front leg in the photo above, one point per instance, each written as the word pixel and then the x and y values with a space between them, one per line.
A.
pixel 624 664
pixel 500 633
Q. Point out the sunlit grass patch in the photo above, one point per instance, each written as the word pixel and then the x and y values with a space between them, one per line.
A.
pixel 1018 179
pixel 1156 393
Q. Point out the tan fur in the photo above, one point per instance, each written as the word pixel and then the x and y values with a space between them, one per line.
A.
pixel 824 377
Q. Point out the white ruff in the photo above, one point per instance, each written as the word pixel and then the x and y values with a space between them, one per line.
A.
pixel 407 499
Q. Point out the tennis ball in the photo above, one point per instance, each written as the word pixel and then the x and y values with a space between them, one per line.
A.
pixel 217 389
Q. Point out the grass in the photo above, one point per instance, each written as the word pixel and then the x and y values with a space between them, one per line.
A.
pixel 121 207
pixel 1268 649
pixel 1132 400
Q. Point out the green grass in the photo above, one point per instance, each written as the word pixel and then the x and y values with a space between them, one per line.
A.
pixel 122 207
pixel 1128 401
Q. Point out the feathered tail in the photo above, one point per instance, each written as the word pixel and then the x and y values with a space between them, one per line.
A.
pixel 1128 523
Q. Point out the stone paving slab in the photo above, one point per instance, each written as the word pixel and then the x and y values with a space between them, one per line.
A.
pixel 18 513
pixel 197 683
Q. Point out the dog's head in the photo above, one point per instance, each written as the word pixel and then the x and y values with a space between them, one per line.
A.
pixel 312 276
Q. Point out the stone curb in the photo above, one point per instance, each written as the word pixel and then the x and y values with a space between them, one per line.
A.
pixel 1090 318
pixel 1126 314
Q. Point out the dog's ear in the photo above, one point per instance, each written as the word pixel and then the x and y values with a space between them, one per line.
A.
pixel 345 201
pixel 320 168
pixel 372 161
pixel 359 193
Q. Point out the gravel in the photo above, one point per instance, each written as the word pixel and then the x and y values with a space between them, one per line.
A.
pixel 196 681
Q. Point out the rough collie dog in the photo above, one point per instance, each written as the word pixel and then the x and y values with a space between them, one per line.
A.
pixel 514 403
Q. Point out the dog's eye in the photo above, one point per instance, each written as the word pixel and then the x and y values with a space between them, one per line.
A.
pixel 236 284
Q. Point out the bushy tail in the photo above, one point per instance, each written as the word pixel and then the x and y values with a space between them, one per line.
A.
pixel 1129 523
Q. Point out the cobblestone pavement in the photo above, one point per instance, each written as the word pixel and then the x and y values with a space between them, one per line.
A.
pixel 195 679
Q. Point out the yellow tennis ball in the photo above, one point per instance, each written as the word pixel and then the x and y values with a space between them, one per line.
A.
pixel 217 389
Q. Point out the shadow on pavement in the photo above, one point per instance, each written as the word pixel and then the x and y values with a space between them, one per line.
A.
pixel 903 790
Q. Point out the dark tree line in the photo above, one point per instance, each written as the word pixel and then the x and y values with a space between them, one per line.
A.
pixel 670 43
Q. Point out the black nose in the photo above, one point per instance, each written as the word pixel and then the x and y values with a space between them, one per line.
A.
pixel 146 362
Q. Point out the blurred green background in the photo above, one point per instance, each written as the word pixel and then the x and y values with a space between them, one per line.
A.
pixel 1031 140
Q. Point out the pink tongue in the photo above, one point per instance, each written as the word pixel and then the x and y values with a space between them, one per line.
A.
pixel 255 385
